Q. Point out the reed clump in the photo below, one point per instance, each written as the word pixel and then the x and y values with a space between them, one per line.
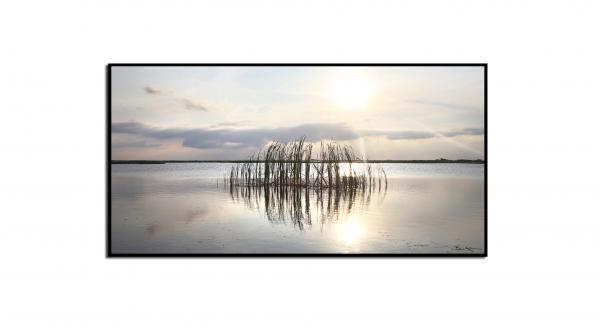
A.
pixel 295 164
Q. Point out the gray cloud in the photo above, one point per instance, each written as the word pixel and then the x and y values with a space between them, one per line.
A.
pixel 415 135
pixel 192 105
pixel 406 135
pixel 205 138
pixel 465 132
pixel 134 144
pixel 447 105
pixel 152 90
pixel 187 103
pixel 231 123
pixel 127 127
pixel 211 138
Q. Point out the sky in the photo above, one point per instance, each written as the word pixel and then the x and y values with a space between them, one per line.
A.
pixel 230 112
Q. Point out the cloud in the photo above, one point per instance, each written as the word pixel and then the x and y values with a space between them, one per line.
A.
pixel 187 103
pixel 152 90
pixel 211 138
pixel 231 123
pixel 134 144
pixel 407 135
pixel 465 132
pixel 127 127
pixel 206 138
pixel 191 105
pixel 415 135
pixel 448 105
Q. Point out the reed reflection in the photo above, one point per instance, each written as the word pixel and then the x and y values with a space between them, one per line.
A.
pixel 304 206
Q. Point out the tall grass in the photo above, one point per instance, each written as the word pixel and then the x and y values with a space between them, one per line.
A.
pixel 292 164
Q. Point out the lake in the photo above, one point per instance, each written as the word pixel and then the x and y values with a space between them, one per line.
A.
pixel 186 208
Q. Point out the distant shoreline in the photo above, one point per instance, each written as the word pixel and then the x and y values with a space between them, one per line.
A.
pixel 434 161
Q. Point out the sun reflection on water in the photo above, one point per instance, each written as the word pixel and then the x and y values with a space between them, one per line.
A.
pixel 350 231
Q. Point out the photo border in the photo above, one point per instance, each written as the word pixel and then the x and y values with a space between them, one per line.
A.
pixel 109 253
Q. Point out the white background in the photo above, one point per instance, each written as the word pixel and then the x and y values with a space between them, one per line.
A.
pixel 542 268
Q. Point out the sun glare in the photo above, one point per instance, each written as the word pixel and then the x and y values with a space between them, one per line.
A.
pixel 349 232
pixel 351 91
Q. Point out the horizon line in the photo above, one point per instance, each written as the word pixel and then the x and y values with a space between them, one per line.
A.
pixel 440 160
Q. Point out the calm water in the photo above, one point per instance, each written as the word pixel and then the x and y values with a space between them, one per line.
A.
pixel 185 208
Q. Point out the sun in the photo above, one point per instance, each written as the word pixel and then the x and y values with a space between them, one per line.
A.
pixel 351 91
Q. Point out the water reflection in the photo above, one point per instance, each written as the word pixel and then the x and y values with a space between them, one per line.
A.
pixel 176 209
pixel 350 231
pixel 188 218
pixel 305 206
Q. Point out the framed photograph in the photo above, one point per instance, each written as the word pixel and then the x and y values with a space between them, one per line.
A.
pixel 296 160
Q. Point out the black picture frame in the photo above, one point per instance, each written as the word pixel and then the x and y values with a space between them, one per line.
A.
pixel 110 254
